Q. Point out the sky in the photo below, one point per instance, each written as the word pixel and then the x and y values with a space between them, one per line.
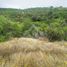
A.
pixel 23 4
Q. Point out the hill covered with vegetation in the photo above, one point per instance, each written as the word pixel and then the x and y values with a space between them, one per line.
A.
pixel 44 22
pixel 27 28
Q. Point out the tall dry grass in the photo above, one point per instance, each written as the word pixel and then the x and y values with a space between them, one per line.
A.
pixel 28 52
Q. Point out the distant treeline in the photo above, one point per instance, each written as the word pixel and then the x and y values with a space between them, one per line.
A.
pixel 34 22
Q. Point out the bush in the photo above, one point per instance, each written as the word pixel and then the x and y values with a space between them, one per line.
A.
pixel 55 35
pixel 36 18
pixel 65 33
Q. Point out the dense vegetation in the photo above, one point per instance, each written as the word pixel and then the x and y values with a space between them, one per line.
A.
pixel 34 22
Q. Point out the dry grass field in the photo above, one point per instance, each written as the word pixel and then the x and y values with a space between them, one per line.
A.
pixel 28 52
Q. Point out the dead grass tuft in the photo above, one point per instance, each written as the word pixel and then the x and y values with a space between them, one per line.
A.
pixel 28 52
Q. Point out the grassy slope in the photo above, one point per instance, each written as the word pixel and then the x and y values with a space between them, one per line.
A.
pixel 28 52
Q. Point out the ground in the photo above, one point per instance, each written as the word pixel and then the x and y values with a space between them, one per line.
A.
pixel 29 52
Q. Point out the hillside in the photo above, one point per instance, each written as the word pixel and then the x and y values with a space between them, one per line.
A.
pixel 50 23
pixel 28 52
pixel 34 37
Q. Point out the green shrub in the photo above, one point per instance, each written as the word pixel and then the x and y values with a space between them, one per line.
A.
pixel 55 35
pixel 65 33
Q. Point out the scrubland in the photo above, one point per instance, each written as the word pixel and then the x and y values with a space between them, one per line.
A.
pixel 28 52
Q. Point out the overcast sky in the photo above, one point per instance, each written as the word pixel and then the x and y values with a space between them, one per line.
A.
pixel 31 3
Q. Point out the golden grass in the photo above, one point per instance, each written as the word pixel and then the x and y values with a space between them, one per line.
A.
pixel 28 52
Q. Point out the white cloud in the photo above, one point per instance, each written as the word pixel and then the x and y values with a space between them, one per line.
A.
pixel 31 3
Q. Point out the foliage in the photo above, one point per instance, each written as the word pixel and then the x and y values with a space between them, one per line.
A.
pixel 34 22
